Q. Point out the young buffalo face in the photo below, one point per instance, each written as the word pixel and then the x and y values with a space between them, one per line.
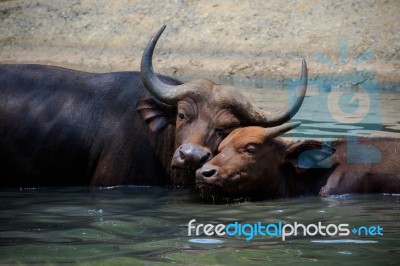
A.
pixel 253 163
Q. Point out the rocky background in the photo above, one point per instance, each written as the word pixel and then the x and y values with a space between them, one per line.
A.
pixel 231 41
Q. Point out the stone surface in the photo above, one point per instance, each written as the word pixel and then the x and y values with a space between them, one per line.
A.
pixel 225 41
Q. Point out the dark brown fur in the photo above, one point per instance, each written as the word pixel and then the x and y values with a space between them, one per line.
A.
pixel 65 127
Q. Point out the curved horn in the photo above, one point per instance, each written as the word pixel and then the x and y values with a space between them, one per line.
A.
pixel 267 119
pixel 300 93
pixel 163 92
pixel 279 130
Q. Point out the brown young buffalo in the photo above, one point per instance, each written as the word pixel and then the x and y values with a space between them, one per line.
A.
pixel 253 162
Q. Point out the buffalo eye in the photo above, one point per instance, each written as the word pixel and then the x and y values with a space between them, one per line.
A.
pixel 250 149
pixel 181 116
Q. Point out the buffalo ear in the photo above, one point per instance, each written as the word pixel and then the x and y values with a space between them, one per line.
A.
pixel 155 114
pixel 307 154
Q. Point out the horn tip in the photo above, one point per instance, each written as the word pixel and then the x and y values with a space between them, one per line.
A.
pixel 304 65
pixel 304 74
pixel 295 124
pixel 159 32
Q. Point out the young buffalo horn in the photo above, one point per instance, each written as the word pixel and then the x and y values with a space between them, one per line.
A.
pixel 274 132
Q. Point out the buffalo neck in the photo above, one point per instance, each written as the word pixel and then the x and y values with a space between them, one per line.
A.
pixel 308 182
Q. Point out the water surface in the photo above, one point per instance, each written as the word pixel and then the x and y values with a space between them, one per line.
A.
pixel 149 225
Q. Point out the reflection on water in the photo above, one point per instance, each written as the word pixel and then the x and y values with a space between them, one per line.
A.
pixel 131 225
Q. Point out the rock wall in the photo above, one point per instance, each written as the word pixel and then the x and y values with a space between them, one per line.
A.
pixel 228 41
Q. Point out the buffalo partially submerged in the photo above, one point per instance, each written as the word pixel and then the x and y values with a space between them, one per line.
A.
pixel 253 162
pixel 65 127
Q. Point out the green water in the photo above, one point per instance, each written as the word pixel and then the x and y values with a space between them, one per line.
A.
pixel 144 225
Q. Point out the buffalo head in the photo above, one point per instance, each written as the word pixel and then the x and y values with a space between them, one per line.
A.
pixel 252 162
pixel 205 112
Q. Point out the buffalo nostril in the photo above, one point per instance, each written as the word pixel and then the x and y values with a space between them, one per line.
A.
pixel 209 172
pixel 192 156
pixel 182 154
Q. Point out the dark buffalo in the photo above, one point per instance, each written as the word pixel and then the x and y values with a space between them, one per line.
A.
pixel 254 162
pixel 65 127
